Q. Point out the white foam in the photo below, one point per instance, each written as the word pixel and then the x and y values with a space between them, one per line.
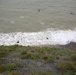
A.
pixel 48 37
pixel 42 23
pixel 12 22
pixel 21 16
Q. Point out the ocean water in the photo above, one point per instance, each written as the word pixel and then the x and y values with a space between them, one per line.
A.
pixel 37 22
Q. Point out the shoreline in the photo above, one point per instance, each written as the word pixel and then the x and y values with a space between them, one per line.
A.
pixel 71 45
pixel 47 37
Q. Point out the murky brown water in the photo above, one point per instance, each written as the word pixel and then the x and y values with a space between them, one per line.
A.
pixel 36 15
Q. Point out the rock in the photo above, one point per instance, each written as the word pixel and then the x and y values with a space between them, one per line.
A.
pixel 72 13
pixel 17 41
pixel 39 10
pixel 47 38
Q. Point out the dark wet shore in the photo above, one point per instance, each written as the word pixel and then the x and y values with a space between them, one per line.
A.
pixel 71 45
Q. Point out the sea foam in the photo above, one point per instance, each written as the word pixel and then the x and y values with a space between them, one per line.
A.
pixel 48 37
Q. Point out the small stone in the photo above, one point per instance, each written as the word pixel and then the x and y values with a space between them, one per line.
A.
pixel 47 38
pixel 72 13
pixel 17 41
pixel 38 10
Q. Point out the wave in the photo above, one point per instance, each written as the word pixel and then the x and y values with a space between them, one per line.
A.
pixel 47 37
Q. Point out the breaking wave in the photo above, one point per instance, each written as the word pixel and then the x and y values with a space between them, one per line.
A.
pixel 48 37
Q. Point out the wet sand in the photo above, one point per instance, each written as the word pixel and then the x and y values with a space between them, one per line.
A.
pixel 71 45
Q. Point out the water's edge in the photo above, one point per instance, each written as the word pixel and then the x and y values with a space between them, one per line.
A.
pixel 47 37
